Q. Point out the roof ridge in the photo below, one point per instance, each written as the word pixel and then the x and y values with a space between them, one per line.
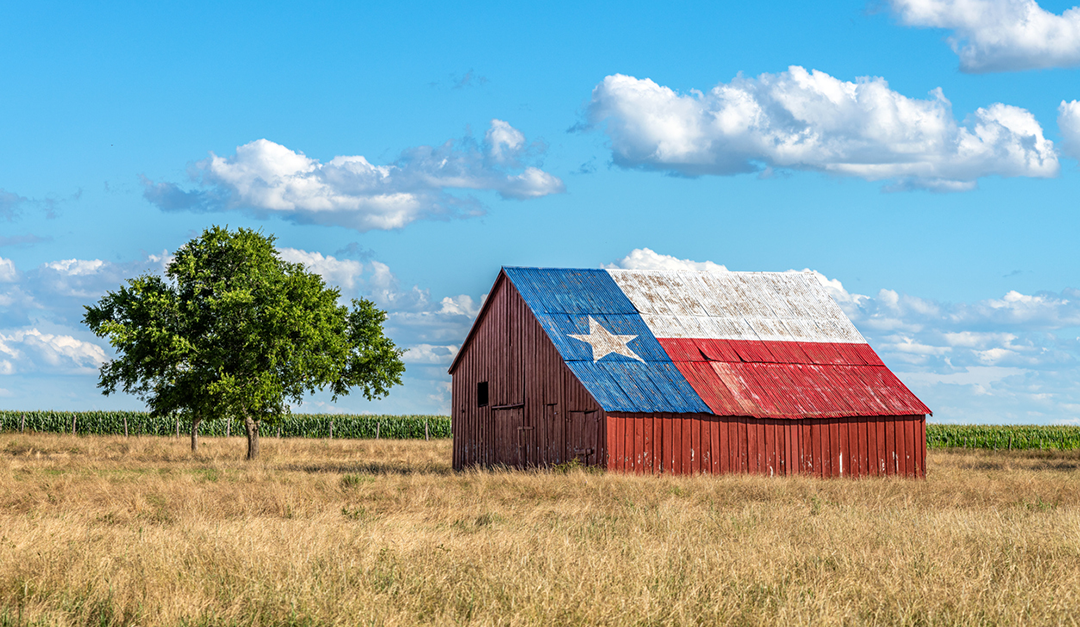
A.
pixel 798 272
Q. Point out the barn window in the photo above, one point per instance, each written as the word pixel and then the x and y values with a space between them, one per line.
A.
pixel 481 394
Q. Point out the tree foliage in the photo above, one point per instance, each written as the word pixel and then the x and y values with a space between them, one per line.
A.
pixel 233 330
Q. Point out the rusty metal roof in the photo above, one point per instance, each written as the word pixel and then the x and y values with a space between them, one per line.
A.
pixel 761 344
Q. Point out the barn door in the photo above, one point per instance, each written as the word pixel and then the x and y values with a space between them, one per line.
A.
pixel 527 450
pixel 510 443
pixel 582 436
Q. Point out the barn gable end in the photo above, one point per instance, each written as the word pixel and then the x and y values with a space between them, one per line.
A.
pixel 538 413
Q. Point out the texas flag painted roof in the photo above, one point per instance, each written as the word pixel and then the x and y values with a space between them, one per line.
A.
pixel 759 344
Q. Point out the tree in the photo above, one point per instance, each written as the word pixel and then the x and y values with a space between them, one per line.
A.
pixel 234 331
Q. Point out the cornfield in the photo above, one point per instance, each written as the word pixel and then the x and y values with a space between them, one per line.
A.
pixel 1003 437
pixel 993 437
pixel 292 426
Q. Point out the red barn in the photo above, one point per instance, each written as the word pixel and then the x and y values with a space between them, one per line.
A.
pixel 678 372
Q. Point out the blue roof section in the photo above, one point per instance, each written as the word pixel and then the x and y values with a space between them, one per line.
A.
pixel 570 291
pixel 560 327
pixel 564 300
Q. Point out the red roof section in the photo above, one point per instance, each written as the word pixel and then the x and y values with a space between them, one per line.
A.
pixel 791 379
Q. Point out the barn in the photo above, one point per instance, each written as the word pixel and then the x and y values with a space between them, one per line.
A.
pixel 678 372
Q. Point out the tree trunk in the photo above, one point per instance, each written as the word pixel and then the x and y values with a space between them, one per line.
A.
pixel 252 429
pixel 195 433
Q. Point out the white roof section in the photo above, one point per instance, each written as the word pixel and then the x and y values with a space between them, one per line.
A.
pixel 766 306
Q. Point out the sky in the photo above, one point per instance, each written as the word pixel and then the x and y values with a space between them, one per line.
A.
pixel 920 156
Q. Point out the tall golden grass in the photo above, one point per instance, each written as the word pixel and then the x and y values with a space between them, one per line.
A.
pixel 108 530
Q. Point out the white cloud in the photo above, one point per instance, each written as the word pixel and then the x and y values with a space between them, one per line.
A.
pixel 647 259
pixel 8 273
pixel 974 339
pixel 31 349
pixel 809 120
pixel 340 272
pixel 461 305
pixel 89 279
pixel 504 142
pixel 76 267
pixel 999 35
pixel 907 345
pixel 430 354
pixel 59 290
pixel 268 178
pixel 1069 126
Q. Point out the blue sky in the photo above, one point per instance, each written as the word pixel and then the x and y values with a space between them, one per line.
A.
pixel 920 155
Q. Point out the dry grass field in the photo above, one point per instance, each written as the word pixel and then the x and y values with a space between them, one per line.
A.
pixel 100 531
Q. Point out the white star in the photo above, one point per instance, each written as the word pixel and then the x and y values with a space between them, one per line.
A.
pixel 603 342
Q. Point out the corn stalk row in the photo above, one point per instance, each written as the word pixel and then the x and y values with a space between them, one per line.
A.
pixel 293 426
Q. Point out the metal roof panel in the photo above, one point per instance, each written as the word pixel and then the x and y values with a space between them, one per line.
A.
pixel 752 344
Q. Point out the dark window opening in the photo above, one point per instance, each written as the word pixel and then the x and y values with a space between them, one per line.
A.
pixel 481 394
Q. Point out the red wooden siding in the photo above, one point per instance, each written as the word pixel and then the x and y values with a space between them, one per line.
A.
pixel 822 447
pixel 538 413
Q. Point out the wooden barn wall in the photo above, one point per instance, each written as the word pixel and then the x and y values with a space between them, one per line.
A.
pixel 827 447
pixel 538 413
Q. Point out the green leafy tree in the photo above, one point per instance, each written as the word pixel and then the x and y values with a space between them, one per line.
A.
pixel 234 331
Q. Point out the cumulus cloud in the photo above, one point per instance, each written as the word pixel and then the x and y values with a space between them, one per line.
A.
pixel 431 354
pixel 270 179
pixel 809 120
pixel 504 142
pixel 76 267
pixel 340 272
pixel 648 259
pixel 999 35
pixel 8 273
pixel 58 290
pixel 1069 125
pixel 30 349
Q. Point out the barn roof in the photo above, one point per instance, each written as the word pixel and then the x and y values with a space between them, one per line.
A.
pixel 760 344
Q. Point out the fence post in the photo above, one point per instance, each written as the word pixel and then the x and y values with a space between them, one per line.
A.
pixel 279 431
pixel 125 426
pixel 426 436
pixel 228 427
pixel 72 423
pixel 22 424
pixel 178 426
pixel 378 423
pixel 331 428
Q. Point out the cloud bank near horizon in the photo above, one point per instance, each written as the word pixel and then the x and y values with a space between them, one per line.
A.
pixel 1014 358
